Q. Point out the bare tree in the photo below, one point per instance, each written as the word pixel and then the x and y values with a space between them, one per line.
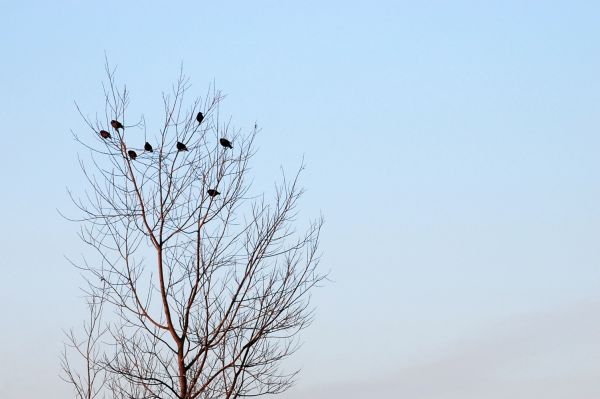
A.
pixel 208 286
pixel 89 383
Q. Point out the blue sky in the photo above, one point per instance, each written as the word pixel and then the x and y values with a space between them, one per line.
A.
pixel 451 146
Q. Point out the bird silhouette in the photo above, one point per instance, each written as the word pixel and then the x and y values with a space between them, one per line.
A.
pixel 132 154
pixel 148 147
pixel 225 143
pixel 200 117
pixel 212 192
pixel 104 134
pixel 116 124
pixel 181 146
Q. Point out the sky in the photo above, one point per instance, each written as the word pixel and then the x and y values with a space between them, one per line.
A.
pixel 452 148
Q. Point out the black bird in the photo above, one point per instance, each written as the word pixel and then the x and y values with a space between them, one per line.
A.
pixel 116 124
pixel 212 192
pixel 148 147
pixel 200 117
pixel 181 146
pixel 104 134
pixel 132 154
pixel 225 143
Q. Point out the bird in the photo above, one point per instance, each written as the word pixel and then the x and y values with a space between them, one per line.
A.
pixel 200 117
pixel 212 192
pixel 104 134
pixel 181 146
pixel 116 124
pixel 225 143
pixel 132 154
pixel 148 147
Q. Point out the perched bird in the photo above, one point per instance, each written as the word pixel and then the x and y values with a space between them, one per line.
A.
pixel 148 147
pixel 225 143
pixel 104 134
pixel 181 146
pixel 116 124
pixel 132 154
pixel 212 192
pixel 200 117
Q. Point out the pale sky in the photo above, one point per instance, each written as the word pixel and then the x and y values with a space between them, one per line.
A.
pixel 452 147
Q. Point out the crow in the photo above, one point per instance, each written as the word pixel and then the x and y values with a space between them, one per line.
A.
pixel 104 134
pixel 148 147
pixel 181 146
pixel 116 125
pixel 212 192
pixel 225 143
pixel 132 154
pixel 200 117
